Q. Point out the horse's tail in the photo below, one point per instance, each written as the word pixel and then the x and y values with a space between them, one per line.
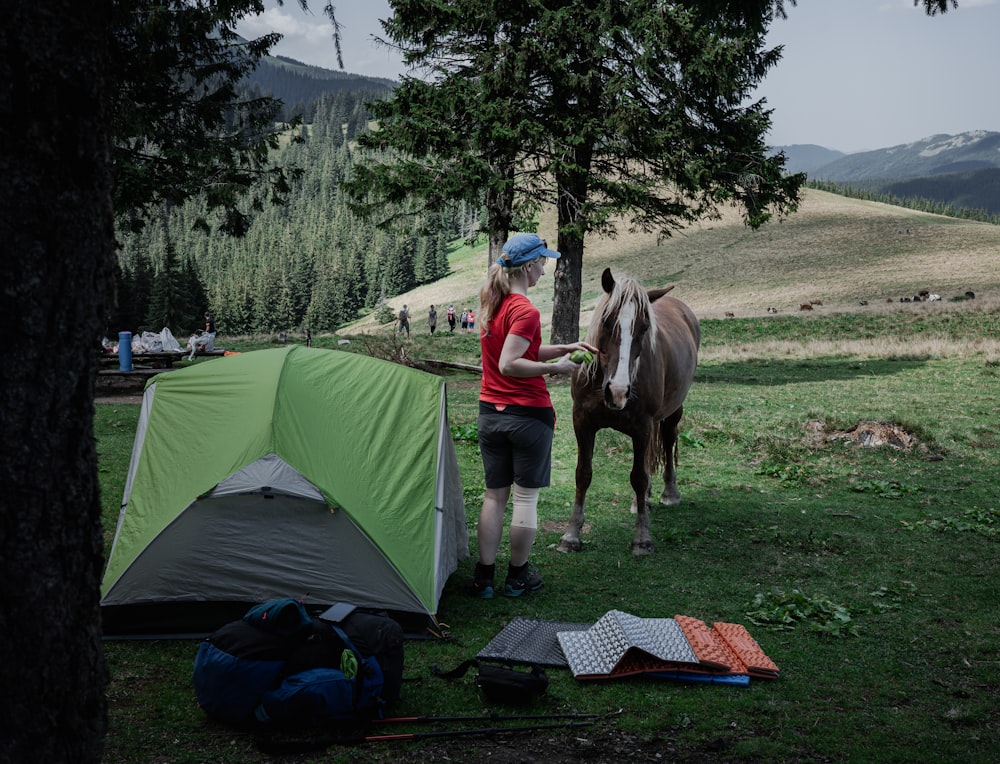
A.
pixel 654 452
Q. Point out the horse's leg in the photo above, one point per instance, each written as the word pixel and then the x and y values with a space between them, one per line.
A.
pixel 634 509
pixel 642 543
pixel 668 437
pixel 585 437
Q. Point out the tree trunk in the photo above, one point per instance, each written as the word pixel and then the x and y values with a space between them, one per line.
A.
pixel 573 188
pixel 56 228
pixel 567 288
pixel 499 211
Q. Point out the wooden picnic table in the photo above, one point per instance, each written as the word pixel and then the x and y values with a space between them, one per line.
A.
pixel 159 360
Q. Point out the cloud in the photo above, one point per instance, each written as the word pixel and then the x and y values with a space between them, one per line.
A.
pixel 308 37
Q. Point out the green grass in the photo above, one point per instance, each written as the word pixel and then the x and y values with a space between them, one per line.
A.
pixel 871 576
pixel 908 324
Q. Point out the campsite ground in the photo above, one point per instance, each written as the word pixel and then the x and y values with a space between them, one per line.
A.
pixel 598 745
pixel 899 542
pixel 118 396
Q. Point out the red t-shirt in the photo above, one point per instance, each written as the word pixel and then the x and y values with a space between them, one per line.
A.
pixel 516 315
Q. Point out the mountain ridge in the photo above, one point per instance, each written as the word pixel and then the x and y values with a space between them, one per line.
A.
pixel 959 170
pixel 956 170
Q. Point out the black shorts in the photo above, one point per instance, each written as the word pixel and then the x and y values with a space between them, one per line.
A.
pixel 516 445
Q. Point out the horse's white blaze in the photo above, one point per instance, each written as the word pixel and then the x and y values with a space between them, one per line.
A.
pixel 618 385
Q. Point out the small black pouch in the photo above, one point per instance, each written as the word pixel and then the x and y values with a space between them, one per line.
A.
pixel 501 684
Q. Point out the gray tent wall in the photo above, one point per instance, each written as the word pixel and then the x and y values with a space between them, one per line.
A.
pixel 265 532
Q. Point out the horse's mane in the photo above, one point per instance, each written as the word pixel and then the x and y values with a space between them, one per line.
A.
pixel 609 306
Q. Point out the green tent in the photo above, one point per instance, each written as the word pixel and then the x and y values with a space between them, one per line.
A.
pixel 297 472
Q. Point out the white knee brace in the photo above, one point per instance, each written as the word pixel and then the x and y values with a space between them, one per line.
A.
pixel 525 502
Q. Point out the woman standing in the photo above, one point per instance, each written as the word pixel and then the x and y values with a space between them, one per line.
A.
pixel 516 418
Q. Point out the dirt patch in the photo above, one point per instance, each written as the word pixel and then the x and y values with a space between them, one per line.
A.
pixel 868 435
pixel 560 526
pixel 118 390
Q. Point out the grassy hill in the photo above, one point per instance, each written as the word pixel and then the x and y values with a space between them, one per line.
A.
pixel 835 250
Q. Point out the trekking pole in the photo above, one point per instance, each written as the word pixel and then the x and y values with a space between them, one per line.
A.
pixel 482 717
pixel 271 745
pixel 463 732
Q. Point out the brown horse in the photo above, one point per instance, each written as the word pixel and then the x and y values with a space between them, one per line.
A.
pixel 648 344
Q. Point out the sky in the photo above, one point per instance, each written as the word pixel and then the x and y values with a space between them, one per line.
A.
pixel 854 74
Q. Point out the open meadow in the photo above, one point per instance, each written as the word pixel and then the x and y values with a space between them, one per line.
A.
pixel 839 498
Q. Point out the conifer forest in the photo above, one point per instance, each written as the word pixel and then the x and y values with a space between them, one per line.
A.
pixel 308 262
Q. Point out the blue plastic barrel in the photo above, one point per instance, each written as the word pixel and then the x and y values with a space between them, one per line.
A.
pixel 125 351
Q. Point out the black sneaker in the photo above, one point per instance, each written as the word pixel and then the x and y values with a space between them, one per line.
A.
pixel 482 588
pixel 482 582
pixel 528 580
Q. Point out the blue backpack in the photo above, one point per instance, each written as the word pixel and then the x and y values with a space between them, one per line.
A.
pixel 320 696
pixel 279 667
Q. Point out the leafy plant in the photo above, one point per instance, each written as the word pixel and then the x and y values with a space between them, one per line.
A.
pixel 468 432
pixel 688 438
pixel 982 521
pixel 787 610
pixel 884 489
pixel 884 598
pixel 787 474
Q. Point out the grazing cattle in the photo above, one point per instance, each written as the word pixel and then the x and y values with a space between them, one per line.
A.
pixel 772 310
pixel 805 306
pixel 970 295
pixel 648 350
pixel 730 315
pixel 863 302
pixel 816 302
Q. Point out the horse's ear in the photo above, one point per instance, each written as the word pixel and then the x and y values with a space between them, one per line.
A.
pixel 607 281
pixel 656 294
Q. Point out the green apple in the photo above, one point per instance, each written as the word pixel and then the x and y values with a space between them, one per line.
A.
pixel 581 356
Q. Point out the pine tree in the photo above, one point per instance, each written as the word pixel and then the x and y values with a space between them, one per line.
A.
pixel 167 302
pixel 600 108
pixel 194 299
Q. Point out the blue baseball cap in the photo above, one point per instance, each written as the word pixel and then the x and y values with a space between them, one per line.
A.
pixel 522 248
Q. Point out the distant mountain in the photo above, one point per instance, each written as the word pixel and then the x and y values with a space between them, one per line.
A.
pixel 939 154
pixel 298 84
pixel 807 157
pixel 960 171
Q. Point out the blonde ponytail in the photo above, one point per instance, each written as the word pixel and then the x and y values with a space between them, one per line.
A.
pixel 495 288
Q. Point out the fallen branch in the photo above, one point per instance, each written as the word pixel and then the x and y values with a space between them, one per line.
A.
pixel 450 365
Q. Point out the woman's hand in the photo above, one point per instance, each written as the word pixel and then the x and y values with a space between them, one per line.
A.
pixel 562 366
pixel 569 357
pixel 582 347
pixel 552 359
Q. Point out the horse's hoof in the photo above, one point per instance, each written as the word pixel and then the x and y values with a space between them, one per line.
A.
pixel 670 497
pixel 640 548
pixel 569 545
